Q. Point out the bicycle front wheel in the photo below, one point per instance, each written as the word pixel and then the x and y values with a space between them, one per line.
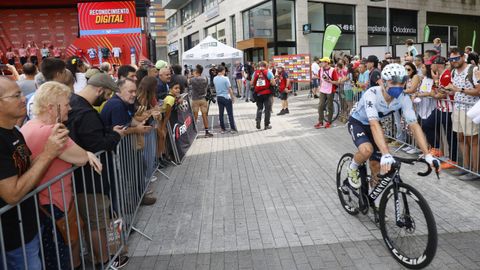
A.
pixel 413 243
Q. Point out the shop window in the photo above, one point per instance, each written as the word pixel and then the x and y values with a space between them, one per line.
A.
pixel 341 15
pixel 234 31
pixel 403 26
pixel 258 22
pixel 321 15
pixel 285 20
pixel 172 22
pixel 217 31
pixel 316 16
pixel 315 41
pixel 191 10
pixel 191 41
pixel 208 4
pixel 453 40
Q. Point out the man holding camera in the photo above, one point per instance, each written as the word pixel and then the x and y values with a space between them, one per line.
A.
pixel 199 93
pixel 328 77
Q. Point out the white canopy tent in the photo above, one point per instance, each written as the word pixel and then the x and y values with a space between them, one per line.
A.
pixel 211 51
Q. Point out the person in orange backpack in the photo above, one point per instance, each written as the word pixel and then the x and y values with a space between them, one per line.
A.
pixel 262 82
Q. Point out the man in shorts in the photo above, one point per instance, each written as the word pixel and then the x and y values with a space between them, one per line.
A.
pixel 284 88
pixel 466 88
pixel 199 103
pixel 366 131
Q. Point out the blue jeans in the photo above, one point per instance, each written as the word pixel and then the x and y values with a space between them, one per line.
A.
pixel 49 246
pixel 223 104
pixel 15 260
pixel 248 91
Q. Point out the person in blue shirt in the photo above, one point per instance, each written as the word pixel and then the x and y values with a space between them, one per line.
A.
pixel 366 131
pixel 119 109
pixel 225 99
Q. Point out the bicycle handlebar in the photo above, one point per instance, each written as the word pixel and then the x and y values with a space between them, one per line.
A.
pixel 411 161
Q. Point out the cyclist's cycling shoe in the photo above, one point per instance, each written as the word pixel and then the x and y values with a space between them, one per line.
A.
pixel 354 178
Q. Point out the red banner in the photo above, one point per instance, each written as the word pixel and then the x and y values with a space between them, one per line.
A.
pixel 103 18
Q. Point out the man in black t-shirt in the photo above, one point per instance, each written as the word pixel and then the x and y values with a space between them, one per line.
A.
pixel 19 176
pixel 177 77
pixel 212 72
pixel 375 74
pixel 248 70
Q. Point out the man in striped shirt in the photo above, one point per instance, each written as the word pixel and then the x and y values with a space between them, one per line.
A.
pixel 466 89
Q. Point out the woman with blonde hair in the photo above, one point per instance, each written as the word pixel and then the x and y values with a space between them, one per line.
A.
pixel 51 107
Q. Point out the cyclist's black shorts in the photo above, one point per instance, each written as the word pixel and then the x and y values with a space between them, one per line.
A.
pixel 362 134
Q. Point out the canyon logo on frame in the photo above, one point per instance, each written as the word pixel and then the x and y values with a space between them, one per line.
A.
pixel 104 18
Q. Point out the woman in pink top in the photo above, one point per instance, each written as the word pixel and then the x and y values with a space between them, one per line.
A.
pixel 22 53
pixel 57 53
pixel 10 55
pixel 52 106
pixel 33 51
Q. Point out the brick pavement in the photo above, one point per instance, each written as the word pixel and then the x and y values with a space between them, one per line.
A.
pixel 222 210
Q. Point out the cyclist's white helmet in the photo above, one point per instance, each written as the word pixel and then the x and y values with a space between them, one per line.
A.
pixel 395 73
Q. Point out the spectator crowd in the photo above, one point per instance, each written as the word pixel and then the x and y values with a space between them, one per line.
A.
pixel 59 113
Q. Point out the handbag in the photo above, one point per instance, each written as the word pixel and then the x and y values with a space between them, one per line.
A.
pixel 73 222
pixel 114 234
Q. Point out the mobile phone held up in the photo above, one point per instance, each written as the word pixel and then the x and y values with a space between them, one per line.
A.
pixel 59 115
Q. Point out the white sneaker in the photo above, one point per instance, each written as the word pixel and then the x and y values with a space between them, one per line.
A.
pixel 354 178
pixel 406 149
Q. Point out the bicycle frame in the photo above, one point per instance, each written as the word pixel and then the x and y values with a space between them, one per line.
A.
pixel 377 191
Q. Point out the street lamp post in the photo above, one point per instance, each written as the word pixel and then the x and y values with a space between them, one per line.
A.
pixel 388 21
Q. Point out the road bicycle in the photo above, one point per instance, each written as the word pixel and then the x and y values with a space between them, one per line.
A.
pixel 404 217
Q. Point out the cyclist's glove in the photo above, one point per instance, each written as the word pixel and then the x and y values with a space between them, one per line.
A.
pixel 387 159
pixel 432 161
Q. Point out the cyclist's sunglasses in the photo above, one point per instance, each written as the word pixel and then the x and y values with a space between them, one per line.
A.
pixel 454 59
pixel 399 79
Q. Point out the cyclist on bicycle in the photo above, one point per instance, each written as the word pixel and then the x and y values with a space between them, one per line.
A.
pixel 364 124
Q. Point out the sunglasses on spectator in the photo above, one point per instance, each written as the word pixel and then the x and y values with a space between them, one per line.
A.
pixel 454 59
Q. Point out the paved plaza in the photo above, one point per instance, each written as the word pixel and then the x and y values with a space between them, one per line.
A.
pixel 268 200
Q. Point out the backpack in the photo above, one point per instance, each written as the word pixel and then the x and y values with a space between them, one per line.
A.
pixel 469 74
pixel 261 81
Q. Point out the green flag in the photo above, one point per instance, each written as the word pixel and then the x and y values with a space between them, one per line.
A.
pixel 330 38
pixel 474 39
pixel 426 33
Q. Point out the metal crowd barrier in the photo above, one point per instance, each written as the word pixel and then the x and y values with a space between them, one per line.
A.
pixel 459 149
pixel 99 220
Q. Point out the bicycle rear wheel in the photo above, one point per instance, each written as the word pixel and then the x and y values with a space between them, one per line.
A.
pixel 348 200
pixel 413 245
pixel 336 110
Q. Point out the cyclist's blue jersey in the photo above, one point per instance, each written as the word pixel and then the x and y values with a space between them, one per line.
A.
pixel 372 106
